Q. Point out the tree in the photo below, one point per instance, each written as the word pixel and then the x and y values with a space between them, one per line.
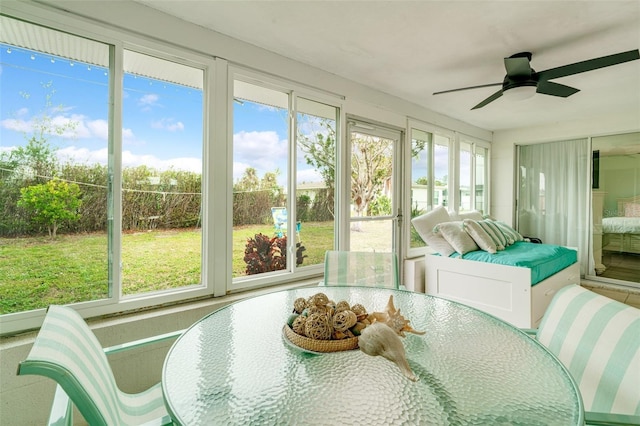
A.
pixel 249 181
pixel 319 148
pixel 370 163
pixel 32 163
pixel 51 203
pixel 371 159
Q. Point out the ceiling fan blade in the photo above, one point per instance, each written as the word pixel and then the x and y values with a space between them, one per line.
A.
pixel 518 67
pixel 489 99
pixel 467 88
pixel 555 89
pixel 588 65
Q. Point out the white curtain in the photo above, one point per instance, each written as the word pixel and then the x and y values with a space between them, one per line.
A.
pixel 554 194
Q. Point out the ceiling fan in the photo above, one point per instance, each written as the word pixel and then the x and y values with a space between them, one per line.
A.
pixel 521 75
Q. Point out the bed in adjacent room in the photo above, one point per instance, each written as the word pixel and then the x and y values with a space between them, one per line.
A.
pixel 622 233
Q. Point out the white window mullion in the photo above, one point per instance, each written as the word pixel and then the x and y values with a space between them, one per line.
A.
pixel 115 168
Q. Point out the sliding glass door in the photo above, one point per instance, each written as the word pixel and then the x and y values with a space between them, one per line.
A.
pixel 615 198
pixel 553 194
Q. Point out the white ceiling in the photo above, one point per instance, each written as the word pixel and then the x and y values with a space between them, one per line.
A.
pixel 411 49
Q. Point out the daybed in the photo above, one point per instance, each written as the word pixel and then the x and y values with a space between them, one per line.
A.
pixel 490 282
pixel 622 233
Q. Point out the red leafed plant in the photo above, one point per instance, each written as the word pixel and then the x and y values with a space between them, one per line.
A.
pixel 266 254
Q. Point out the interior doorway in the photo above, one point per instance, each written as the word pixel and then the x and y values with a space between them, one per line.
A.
pixel 615 199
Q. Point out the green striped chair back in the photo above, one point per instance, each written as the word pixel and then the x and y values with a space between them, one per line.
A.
pixel 370 269
pixel 67 351
pixel 598 340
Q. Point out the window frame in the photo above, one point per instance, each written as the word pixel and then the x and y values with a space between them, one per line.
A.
pixel 294 90
pixel 453 183
pixel 476 143
pixel 118 41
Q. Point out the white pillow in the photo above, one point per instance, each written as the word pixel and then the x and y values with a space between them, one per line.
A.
pixel 480 236
pixel 456 236
pixel 473 214
pixel 424 225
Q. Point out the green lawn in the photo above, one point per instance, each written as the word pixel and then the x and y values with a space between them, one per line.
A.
pixel 36 272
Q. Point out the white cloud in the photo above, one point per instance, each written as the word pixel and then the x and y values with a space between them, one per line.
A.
pixel 263 151
pixel 82 155
pixel 129 159
pixel 16 125
pixel 74 126
pixel 99 128
pixel 238 170
pixel 168 124
pixel 7 148
pixel 149 99
pixel 308 176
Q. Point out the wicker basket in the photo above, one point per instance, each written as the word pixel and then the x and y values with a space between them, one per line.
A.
pixel 320 345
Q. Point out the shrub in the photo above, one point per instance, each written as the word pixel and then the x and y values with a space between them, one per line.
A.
pixel 51 203
pixel 266 254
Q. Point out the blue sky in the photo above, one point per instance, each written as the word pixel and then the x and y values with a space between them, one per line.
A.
pixel 162 122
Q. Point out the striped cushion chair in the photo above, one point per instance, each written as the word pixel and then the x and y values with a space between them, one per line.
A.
pixel 598 341
pixel 369 269
pixel 67 351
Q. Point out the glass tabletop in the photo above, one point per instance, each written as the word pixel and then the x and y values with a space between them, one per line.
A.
pixel 234 367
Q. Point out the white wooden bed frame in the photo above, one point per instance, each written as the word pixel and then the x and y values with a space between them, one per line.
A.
pixel 500 290
pixel 626 243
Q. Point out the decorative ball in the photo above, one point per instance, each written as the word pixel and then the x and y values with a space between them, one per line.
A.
pixel 299 305
pixel 342 321
pixel 315 309
pixel 317 327
pixel 359 310
pixel 298 325
pixel 319 299
pixel 342 305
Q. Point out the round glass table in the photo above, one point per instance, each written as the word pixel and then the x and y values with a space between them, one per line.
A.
pixel 235 367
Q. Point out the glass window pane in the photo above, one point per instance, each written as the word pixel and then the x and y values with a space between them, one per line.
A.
pixel 315 178
pixel 465 177
pixel 161 174
pixel 371 175
pixel 441 170
pixel 420 176
pixel 53 168
pixel 260 175
pixel 372 235
pixel 481 179
pixel 372 206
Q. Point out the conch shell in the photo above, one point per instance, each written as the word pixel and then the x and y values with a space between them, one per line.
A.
pixel 391 316
pixel 379 339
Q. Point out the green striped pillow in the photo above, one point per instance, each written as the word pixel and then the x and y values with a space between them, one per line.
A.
pixel 494 232
pixel 511 234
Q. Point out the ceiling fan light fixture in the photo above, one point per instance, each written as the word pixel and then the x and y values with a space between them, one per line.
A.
pixel 519 93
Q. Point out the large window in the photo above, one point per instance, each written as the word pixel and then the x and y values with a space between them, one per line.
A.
pixel 135 173
pixel 433 160
pixel 53 168
pixel 284 167
pixel 162 121
pixel 101 166
pixel 473 175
